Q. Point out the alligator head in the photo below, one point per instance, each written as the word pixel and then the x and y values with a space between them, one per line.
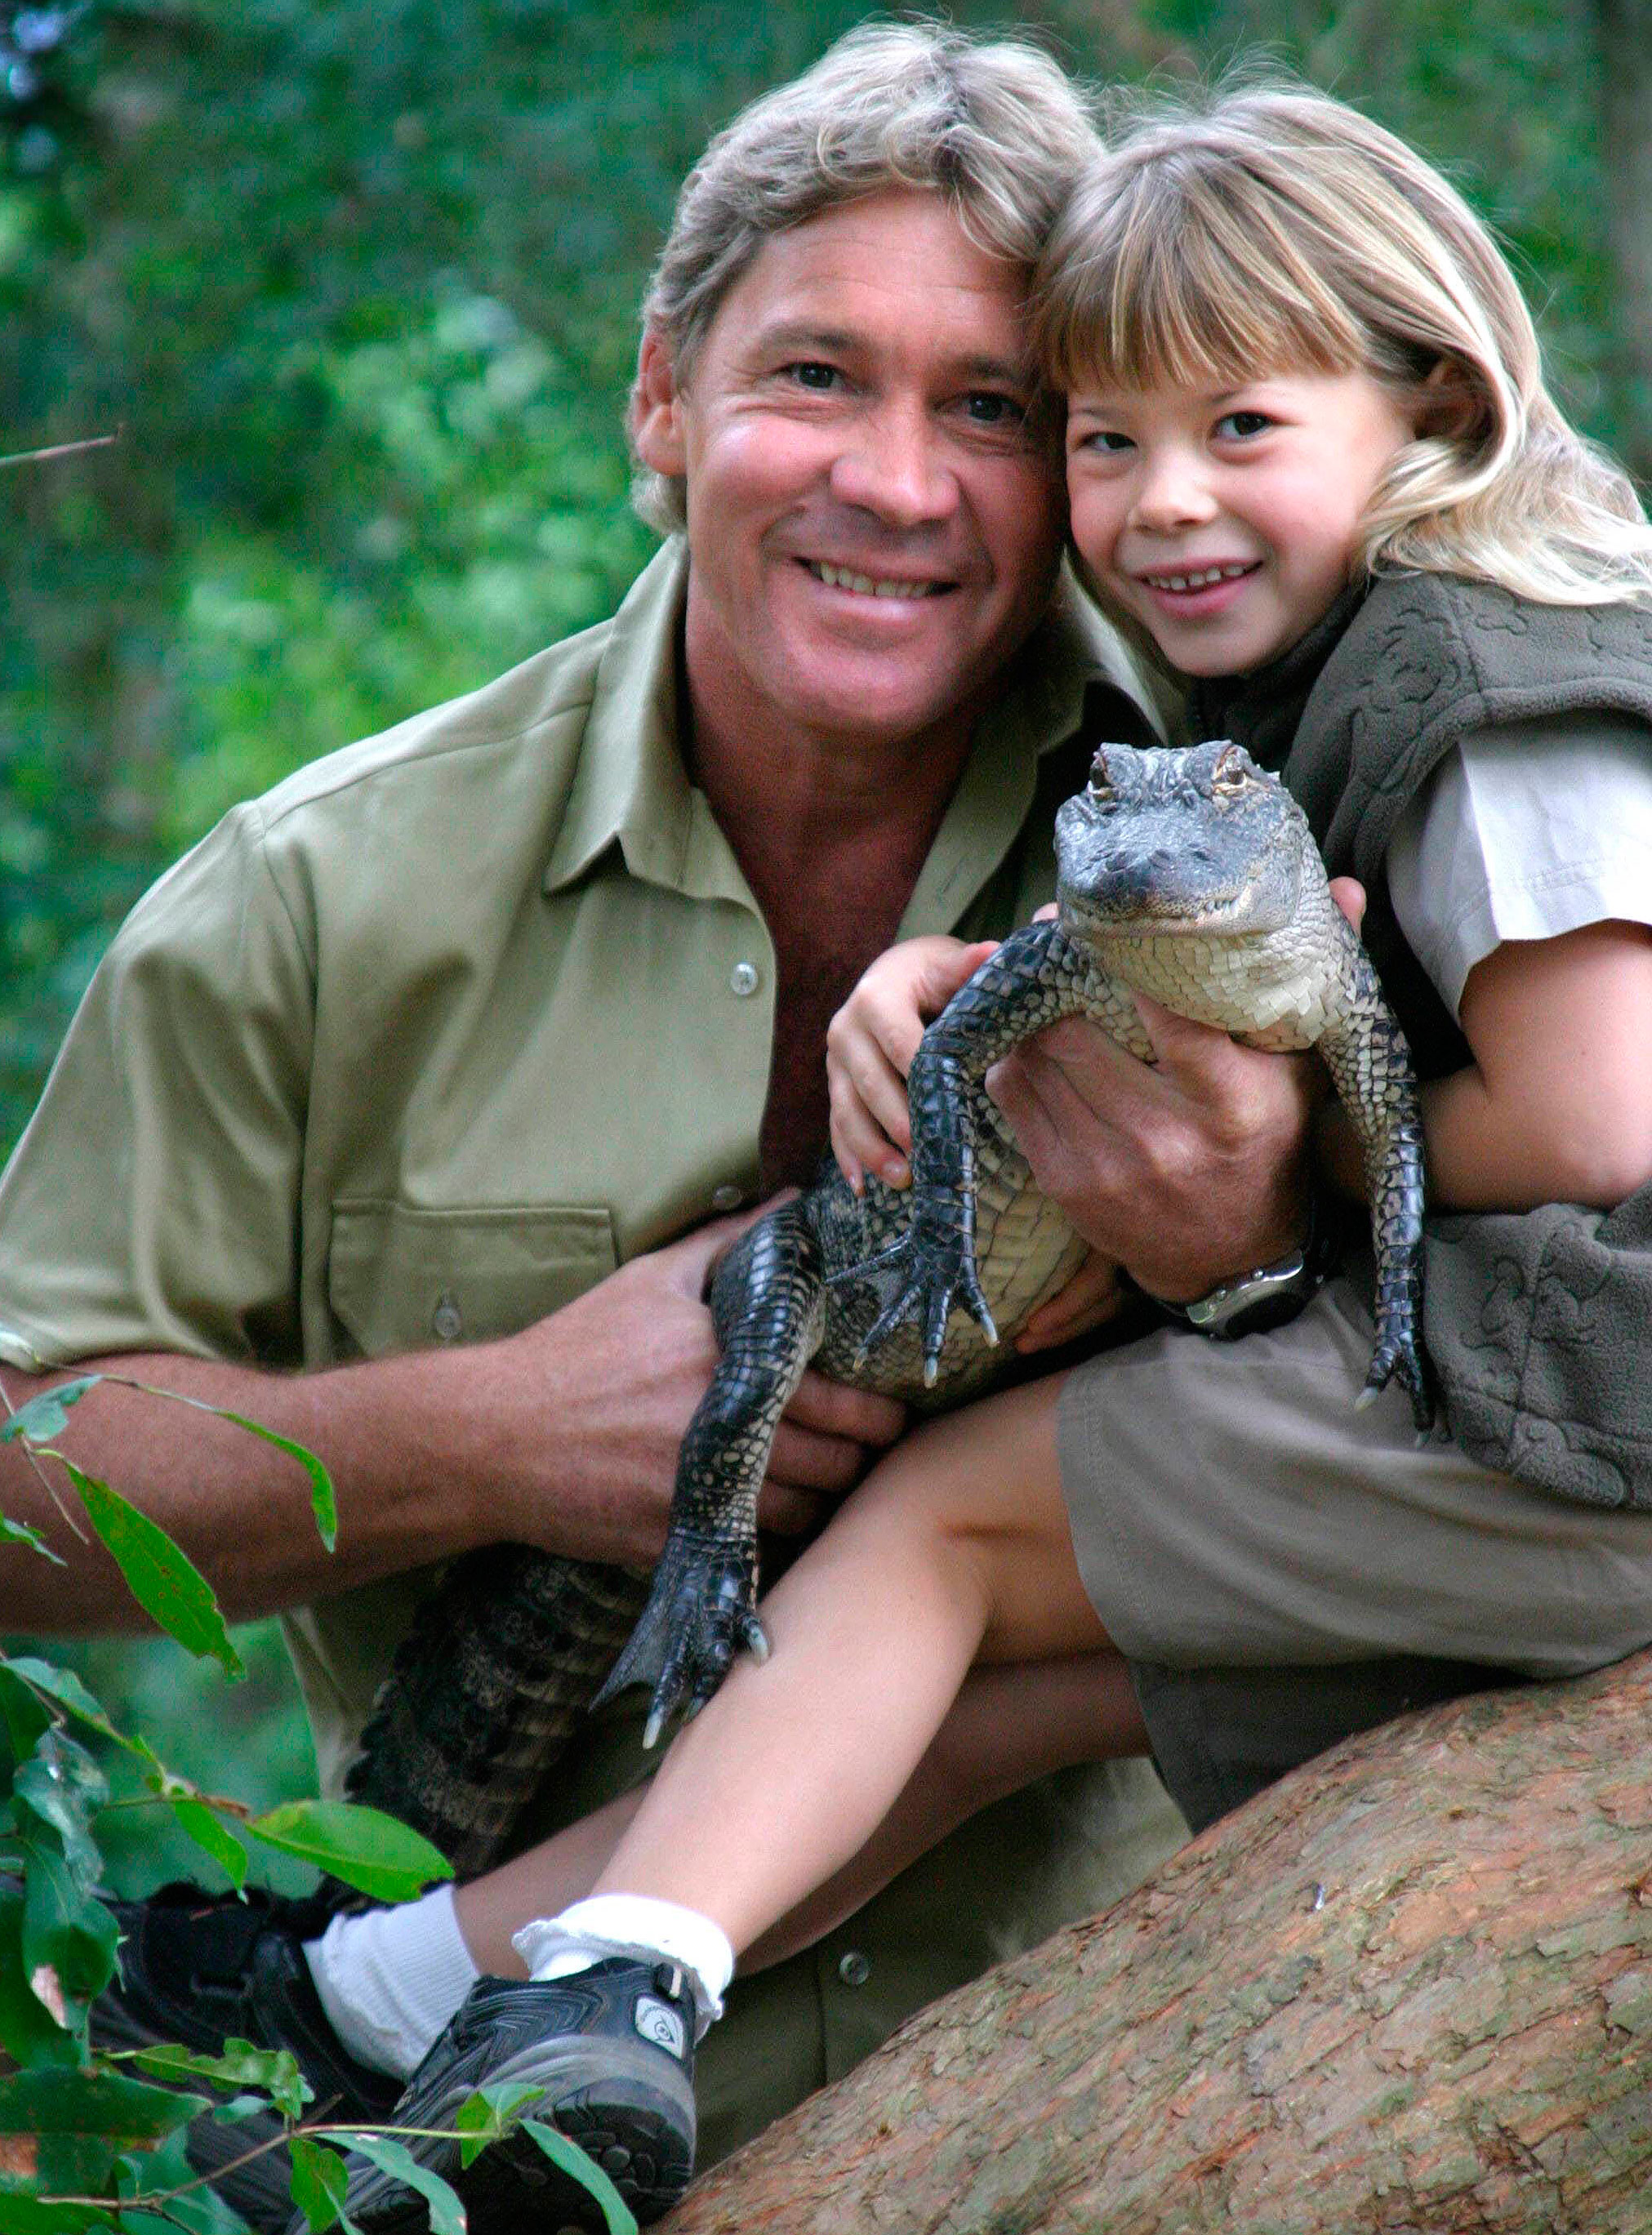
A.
pixel 1162 841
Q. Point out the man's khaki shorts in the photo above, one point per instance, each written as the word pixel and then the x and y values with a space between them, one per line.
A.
pixel 1281 1569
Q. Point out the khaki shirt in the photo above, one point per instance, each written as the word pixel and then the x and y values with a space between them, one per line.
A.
pixel 429 1039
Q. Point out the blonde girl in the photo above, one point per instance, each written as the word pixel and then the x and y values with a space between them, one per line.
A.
pixel 1313 467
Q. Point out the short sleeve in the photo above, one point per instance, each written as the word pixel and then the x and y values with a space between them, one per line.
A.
pixel 152 1202
pixel 1524 832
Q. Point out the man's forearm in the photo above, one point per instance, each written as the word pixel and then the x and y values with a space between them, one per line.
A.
pixel 396 1434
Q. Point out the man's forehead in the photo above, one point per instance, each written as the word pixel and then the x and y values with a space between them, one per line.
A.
pixel 887 268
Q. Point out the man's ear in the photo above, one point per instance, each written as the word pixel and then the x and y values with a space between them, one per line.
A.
pixel 1447 403
pixel 656 408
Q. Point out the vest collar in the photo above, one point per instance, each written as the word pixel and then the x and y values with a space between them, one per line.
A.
pixel 1262 710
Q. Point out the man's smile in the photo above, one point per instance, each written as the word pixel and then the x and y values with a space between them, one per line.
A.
pixel 871 586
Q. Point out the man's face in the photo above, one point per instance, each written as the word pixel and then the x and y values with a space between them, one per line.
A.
pixel 874 519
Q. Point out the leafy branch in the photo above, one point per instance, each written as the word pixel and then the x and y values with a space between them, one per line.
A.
pixel 83 2143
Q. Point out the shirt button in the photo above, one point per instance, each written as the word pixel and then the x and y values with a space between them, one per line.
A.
pixel 855 1969
pixel 446 1323
pixel 727 1197
pixel 743 979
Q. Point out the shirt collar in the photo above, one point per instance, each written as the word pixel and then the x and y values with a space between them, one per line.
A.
pixel 630 787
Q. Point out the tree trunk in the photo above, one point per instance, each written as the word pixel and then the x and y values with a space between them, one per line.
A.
pixel 1407 1989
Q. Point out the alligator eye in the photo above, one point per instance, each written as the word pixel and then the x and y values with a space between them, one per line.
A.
pixel 1229 775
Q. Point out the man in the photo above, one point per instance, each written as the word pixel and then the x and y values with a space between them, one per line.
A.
pixel 423 1073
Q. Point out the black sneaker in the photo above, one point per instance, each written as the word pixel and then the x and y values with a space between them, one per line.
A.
pixel 199 1969
pixel 613 2049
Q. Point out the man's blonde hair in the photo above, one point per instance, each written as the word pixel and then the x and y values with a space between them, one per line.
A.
pixel 1269 229
pixel 996 127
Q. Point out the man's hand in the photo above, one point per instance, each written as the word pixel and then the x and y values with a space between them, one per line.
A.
pixel 1185 1171
pixel 601 1392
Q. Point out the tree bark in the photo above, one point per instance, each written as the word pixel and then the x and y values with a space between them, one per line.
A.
pixel 1408 1991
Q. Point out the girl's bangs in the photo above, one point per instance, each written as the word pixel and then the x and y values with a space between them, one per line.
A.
pixel 1189 296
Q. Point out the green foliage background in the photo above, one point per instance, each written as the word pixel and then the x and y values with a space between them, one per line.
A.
pixel 357 283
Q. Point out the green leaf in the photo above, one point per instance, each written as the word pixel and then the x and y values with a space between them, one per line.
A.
pixel 589 2174
pixel 47 1415
pixel 484 2117
pixel 28 2215
pixel 51 2101
pixel 361 1845
pixel 164 1584
pixel 275 2071
pixel 447 2213
pixel 323 1504
pixel 63 1686
pixel 26 1721
pixel 319 2179
pixel 211 1833
pixel 29 2033
pixel 67 1932
pixel 19 1532
pixel 62 1786
pixel 166 2179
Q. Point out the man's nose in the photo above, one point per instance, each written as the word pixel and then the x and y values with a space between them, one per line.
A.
pixel 1171 492
pixel 892 465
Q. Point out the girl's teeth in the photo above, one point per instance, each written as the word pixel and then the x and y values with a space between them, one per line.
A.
pixel 1200 581
pixel 839 577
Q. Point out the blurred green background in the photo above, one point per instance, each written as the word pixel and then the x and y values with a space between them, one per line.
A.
pixel 356 284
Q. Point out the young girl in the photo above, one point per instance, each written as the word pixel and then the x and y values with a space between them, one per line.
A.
pixel 1313 465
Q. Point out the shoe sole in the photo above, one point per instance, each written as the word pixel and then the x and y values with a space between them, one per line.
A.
pixel 640 2129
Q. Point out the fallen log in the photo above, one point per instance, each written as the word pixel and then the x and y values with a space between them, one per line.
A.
pixel 1408 1990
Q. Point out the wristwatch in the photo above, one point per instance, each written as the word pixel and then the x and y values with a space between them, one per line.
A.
pixel 1271 1296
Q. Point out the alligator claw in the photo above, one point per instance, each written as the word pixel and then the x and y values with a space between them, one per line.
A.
pixel 1397 1356
pixel 936 1280
pixel 701 1612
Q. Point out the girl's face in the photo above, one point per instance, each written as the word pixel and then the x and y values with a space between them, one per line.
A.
pixel 1225 521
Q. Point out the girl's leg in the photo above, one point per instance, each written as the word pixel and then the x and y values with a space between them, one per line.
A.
pixel 1011 1724
pixel 954 1549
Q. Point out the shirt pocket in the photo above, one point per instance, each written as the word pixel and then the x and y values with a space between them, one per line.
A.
pixel 399 1278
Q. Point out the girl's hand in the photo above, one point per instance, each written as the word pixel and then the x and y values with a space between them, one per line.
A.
pixel 1091 1298
pixel 870 1043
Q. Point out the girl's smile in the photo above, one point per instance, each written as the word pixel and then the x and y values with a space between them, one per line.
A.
pixel 1227 521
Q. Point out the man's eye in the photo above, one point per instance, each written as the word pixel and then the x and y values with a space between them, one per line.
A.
pixel 812 374
pixel 988 407
pixel 1243 424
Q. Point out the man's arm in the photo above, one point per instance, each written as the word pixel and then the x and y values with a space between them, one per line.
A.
pixel 564 1436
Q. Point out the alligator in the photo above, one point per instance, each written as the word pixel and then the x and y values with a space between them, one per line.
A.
pixel 1188 874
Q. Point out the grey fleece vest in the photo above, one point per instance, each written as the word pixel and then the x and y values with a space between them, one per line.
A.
pixel 1539 1325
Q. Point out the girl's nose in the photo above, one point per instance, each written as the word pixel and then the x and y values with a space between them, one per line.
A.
pixel 1171 492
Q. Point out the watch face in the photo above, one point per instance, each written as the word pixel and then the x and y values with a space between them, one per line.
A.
pixel 1264 1299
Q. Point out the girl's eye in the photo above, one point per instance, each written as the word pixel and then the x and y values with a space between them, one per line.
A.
pixel 1243 424
pixel 1106 440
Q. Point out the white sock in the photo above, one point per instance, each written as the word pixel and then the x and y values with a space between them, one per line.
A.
pixel 637 1926
pixel 389 1979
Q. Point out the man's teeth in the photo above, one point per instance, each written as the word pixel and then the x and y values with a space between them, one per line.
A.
pixel 1200 581
pixel 840 578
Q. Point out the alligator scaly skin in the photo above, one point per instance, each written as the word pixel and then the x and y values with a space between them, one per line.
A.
pixel 1190 876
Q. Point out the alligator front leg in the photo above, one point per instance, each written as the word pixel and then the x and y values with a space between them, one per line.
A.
pixel 768 1302
pixel 1037 976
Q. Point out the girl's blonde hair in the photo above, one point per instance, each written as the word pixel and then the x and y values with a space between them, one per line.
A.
pixel 1271 229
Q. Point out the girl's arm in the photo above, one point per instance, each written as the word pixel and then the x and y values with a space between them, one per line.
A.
pixel 1557 1105
pixel 870 1043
